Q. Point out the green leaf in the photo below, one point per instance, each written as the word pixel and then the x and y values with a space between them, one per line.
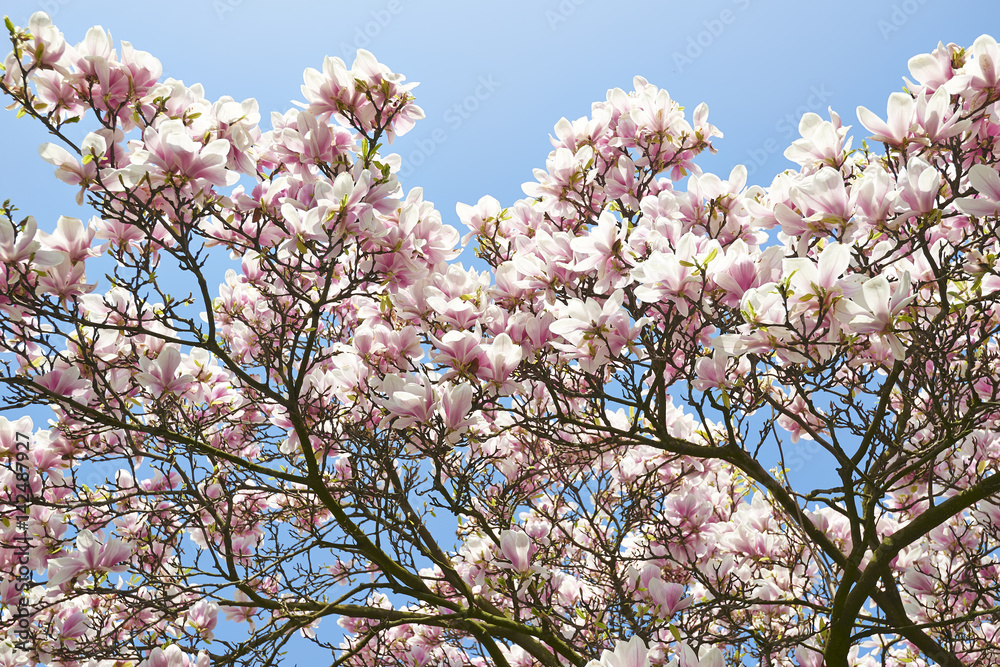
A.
pixel 10 24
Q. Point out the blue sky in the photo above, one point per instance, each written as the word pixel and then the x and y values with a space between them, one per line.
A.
pixel 495 77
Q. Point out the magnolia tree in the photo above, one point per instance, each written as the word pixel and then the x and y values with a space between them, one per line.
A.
pixel 607 417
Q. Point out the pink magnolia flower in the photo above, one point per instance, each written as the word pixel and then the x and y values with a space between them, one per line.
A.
pixel 47 44
pixel 481 219
pixel 983 68
pixel 601 249
pixel 708 191
pixel 91 557
pixel 621 184
pixel 74 626
pixel 822 141
pixel 11 657
pixel 919 188
pixel 408 402
pixel 800 419
pixel 160 376
pixel 707 657
pixel 203 617
pixel 573 134
pixel 69 169
pixel 367 94
pixel 64 280
pixel 823 278
pixel 25 246
pixel 463 313
pixel 808 657
pixel 936 118
pixel 632 653
pixel 896 129
pixel 237 124
pixel 8 434
pixel 169 148
pixel 461 351
pixel 331 91
pixel 985 181
pixel 670 597
pixel 872 195
pixel 669 275
pixel 877 306
pixel 919 582
pixel 70 237
pixel 741 270
pixel 173 656
pixel 241 613
pixel 712 371
pixel 596 333
pixel 502 357
pixel 558 184
pixel 516 547
pixel 825 195
pixel 373 75
pixel 64 381
pixel 544 260
pixel 180 100
pixel 120 234
pixel 702 127
pixel 299 138
pixel 57 91
pixel 456 401
pixel 142 69
pixel 96 47
pixel 112 89
pixel 932 69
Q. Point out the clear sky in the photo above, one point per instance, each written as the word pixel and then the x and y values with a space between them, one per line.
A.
pixel 496 76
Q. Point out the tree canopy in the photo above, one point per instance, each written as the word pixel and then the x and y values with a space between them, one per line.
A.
pixel 581 450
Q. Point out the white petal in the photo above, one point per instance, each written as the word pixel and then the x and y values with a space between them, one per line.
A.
pixel 985 180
